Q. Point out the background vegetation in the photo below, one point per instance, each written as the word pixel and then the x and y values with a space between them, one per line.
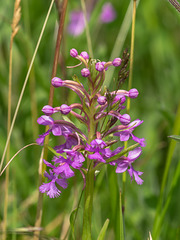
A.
pixel 156 75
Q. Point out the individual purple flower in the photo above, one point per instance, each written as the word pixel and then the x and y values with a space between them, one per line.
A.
pixel 100 152
pixel 124 162
pixel 108 13
pixel 77 23
pixel 50 187
pixel 126 134
pixel 85 72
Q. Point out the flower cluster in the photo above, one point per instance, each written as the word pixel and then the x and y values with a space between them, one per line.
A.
pixel 100 112
pixel 77 23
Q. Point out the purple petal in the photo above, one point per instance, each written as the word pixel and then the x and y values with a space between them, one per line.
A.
pixel 122 166
pixel 96 156
pixel 136 174
pixel 141 141
pixel 134 154
pixel 62 182
pixel 45 120
pixel 56 130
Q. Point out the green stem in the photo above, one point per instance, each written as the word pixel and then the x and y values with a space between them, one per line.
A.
pixel 89 189
pixel 88 206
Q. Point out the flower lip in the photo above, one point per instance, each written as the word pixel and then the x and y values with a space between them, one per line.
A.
pixel 57 82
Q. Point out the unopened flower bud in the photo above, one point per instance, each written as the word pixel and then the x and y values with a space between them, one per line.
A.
pixel 125 119
pixel 101 100
pixel 99 66
pixel 48 110
pixel 85 72
pixel 65 109
pixel 57 82
pixel 116 62
pixel 84 55
pixel 133 93
pixel 73 52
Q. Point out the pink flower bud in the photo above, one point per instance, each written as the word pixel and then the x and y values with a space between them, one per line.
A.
pixel 99 66
pixel 48 110
pixel 85 72
pixel 73 52
pixel 57 82
pixel 101 100
pixel 133 93
pixel 116 62
pixel 125 119
pixel 84 55
pixel 65 109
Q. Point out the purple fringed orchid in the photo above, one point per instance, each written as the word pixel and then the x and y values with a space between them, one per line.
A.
pixel 103 115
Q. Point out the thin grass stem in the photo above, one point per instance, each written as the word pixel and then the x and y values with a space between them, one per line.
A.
pixel 25 83
pixel 88 36
pixel 129 87
pixel 15 28
pixel 42 166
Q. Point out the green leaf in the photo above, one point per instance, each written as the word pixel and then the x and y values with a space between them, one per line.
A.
pixel 72 221
pixel 75 78
pixel 121 220
pixel 103 230
pixel 175 137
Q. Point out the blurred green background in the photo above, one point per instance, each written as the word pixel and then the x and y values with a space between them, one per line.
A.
pixel 156 75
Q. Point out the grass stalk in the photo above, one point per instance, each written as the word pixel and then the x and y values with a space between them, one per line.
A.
pixel 24 85
pixel 42 166
pixel 121 37
pixel 170 153
pixel 15 28
pixel 89 42
pixel 129 86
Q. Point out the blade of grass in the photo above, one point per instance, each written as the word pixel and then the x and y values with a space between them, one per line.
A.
pixel 25 83
pixel 121 219
pixel 170 153
pixel 168 201
pixel 129 87
pixel 42 167
pixel 15 28
pixel 89 42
